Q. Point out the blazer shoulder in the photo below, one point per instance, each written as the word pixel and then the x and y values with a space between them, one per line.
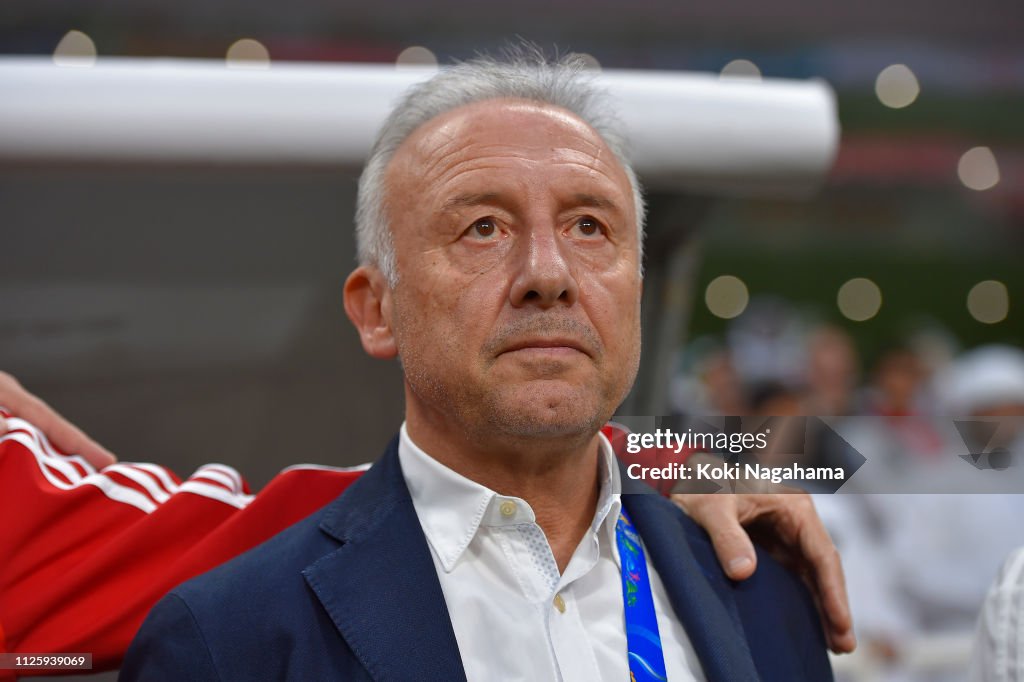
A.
pixel 779 619
pixel 155 656
pixel 262 570
pixel 279 561
pixel 246 619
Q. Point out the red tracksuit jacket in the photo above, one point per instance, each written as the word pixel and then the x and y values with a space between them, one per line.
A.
pixel 84 554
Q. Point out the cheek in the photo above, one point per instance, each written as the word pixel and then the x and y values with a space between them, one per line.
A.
pixel 614 303
pixel 445 315
pixel 614 309
pixel 473 260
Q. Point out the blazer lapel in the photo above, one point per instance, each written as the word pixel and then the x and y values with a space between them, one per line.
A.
pixel 380 587
pixel 700 595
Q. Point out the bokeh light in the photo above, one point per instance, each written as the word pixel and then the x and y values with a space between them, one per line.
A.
pixel 897 86
pixel 859 299
pixel 989 301
pixel 978 169
pixel 416 56
pixel 726 296
pixel 741 68
pixel 75 49
pixel 248 54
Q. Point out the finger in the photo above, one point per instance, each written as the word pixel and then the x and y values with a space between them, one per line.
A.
pixel 833 602
pixel 65 435
pixel 846 643
pixel 825 572
pixel 72 440
pixel 718 515
pixel 837 641
pixel 59 431
pixel 93 453
pixel 799 540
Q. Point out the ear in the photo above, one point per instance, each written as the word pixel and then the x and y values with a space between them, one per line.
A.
pixel 368 305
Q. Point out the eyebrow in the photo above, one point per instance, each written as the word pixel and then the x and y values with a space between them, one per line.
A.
pixel 580 199
pixel 464 200
pixel 594 201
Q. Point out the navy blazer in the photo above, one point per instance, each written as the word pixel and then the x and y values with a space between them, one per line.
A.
pixel 351 593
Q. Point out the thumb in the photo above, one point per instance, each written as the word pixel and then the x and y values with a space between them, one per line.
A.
pixel 734 550
pixel 719 516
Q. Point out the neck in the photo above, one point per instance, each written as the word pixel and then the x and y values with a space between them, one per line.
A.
pixel 556 476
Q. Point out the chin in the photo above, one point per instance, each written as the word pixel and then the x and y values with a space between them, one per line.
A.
pixel 547 411
pixel 526 428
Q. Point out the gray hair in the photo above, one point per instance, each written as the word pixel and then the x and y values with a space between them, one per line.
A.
pixel 525 74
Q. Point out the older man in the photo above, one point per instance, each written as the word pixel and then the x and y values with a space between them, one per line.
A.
pixel 500 236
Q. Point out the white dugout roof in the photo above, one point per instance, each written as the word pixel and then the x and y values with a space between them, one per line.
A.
pixel 689 132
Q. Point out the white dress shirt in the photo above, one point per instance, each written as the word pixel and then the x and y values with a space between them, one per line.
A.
pixel 514 616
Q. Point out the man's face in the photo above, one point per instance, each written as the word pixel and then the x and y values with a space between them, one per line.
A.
pixel 517 307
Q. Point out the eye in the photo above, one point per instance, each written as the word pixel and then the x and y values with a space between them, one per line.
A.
pixel 587 227
pixel 483 229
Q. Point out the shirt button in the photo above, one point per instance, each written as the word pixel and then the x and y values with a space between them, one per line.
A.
pixel 508 508
pixel 559 603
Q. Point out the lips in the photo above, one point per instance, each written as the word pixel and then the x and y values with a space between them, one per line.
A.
pixel 545 336
pixel 553 344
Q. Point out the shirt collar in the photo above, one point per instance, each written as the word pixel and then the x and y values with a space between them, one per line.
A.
pixel 452 508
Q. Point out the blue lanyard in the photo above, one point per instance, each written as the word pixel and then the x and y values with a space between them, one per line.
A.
pixel 643 643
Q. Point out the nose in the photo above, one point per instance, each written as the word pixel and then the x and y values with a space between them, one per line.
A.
pixel 543 276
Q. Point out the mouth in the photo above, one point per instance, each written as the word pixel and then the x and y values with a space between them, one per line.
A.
pixel 553 346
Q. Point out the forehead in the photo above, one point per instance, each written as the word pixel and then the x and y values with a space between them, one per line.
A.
pixel 500 132
pixel 510 120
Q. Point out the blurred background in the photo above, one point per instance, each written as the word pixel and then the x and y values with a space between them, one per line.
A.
pixel 185 314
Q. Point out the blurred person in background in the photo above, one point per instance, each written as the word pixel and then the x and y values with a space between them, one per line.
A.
pixel 723 390
pixel 919 564
pixel 833 370
pixel 707 382
pixel 896 379
pixel 776 399
pixel 998 653
pixel 766 342
pixel 985 382
pixel 936 348
pixel 896 392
